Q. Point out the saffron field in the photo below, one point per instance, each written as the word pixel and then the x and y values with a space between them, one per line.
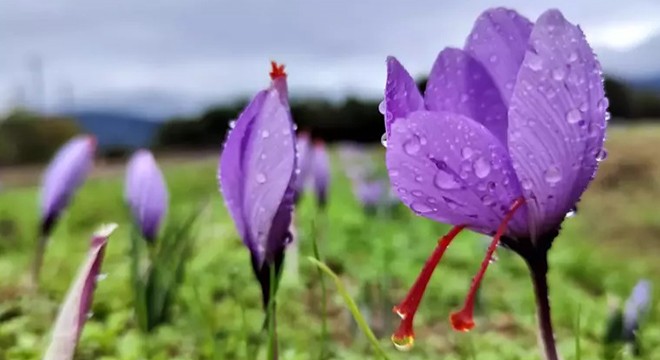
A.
pixel 610 244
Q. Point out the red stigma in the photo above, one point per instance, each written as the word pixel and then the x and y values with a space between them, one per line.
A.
pixel 463 320
pixel 404 337
pixel 277 71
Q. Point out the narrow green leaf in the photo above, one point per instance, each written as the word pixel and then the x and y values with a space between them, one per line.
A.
pixel 578 352
pixel 352 307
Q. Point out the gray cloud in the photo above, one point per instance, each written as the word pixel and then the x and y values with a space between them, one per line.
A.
pixel 126 53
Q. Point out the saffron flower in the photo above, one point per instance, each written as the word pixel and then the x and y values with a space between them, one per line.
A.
pixel 321 172
pixel 370 194
pixel 304 150
pixel 636 307
pixel 76 307
pixel 146 193
pixel 256 176
pixel 505 140
pixel 65 174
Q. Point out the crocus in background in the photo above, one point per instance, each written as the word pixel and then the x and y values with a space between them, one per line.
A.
pixel 321 172
pixel 636 306
pixel 76 307
pixel 370 194
pixel 65 174
pixel 304 151
pixel 256 176
pixel 504 142
pixel 146 193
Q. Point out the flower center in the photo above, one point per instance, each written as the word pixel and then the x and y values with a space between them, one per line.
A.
pixel 404 337
pixel 277 71
pixel 463 320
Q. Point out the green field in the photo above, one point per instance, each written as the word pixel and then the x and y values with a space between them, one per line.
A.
pixel 601 253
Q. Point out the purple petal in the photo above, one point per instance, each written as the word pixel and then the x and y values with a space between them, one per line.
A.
pixel 401 93
pixel 231 172
pixel 557 120
pixel 64 175
pixel 637 304
pixel 321 172
pixel 76 306
pixel 146 192
pixel 498 40
pixel 451 169
pixel 460 84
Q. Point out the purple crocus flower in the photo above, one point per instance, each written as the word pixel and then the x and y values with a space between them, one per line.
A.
pixel 75 308
pixel 65 174
pixel 256 175
pixel 321 172
pixel 146 193
pixel 636 305
pixel 504 141
pixel 370 193
pixel 304 150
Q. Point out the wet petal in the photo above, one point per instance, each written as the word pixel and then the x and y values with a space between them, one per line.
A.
pixel 231 172
pixel 146 193
pixel 401 93
pixel 269 160
pixel 450 168
pixel 498 40
pixel 460 84
pixel 557 119
pixel 76 306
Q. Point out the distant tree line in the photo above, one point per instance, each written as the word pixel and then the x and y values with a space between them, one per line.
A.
pixel 359 120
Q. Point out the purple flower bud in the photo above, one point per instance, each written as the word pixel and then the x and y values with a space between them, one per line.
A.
pixel 75 308
pixel 256 175
pixel 321 172
pixel 636 305
pixel 64 175
pixel 146 193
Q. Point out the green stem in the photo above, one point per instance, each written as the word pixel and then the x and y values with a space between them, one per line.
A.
pixel 272 330
pixel 324 296
pixel 352 307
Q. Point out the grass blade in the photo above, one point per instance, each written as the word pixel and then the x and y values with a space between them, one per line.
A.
pixel 352 307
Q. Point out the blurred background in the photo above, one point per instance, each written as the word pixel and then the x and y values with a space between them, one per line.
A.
pixel 170 75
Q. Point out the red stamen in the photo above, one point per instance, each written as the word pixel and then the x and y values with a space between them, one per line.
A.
pixel 277 71
pixel 404 337
pixel 463 320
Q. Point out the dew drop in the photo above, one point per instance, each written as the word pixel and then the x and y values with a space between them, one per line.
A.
pixel 481 167
pixel 466 152
pixel 89 315
pixel 602 155
pixel 232 124
pixel 571 213
pixel 417 193
pixel 412 146
pixel 559 74
pixel 488 200
pixel 584 107
pixel 603 104
pixel 404 344
pixel 101 277
pixel 534 62
pixel 573 116
pixel 526 184
pixel 445 180
pixel 261 178
pixel 383 140
pixel 419 178
pixel 552 175
pixel 265 134
pixel 493 58
pixel 382 108
pixel 421 208
pixel 572 56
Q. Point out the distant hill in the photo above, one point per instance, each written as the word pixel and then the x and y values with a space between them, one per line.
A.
pixel 117 130
pixel 649 83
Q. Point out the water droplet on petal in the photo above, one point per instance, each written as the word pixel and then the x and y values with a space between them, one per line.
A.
pixel 526 184
pixel 552 175
pixel 571 213
pixel 602 155
pixel 419 178
pixel 559 73
pixel 261 178
pixel 481 167
pixel 405 343
pixel 412 145
pixel 603 104
pixel 265 134
pixel 493 58
pixel 383 139
pixel 445 180
pixel 89 315
pixel 232 124
pixel 417 193
pixel 573 116
pixel 421 208
pixel 381 107
pixel 534 62
pixel 584 107
pixel 101 277
pixel 488 200
pixel 466 152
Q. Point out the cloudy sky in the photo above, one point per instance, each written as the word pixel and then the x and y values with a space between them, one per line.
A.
pixel 174 56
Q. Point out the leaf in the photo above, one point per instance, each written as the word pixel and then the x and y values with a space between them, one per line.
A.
pixel 352 307
pixel 73 313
